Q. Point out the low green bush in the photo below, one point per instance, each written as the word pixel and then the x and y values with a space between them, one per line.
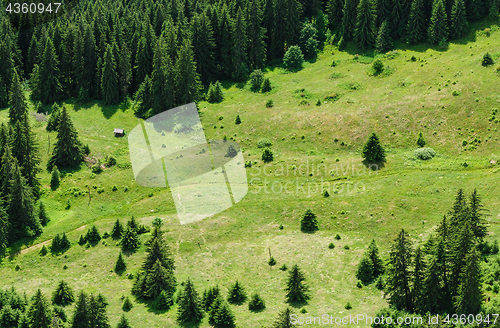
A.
pixel 424 153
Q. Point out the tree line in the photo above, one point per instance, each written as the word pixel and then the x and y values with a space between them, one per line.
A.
pixel 445 274
pixel 165 52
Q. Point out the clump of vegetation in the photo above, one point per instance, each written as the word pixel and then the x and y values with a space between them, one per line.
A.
pixel 337 237
pixel 63 295
pixel 348 306
pixel 269 103
pixel 43 251
pixel 331 246
pixel 267 156
pixel 110 161
pixel 309 223
pixel 237 294
pixel 127 305
pixel 272 262
pixel 283 267
pixel 256 79
pixel 293 58
pixel 264 143
pixel 237 121
pixel 266 85
pixel 296 289
pixel 325 193
pixel 56 177
pixel 487 60
pixel 93 236
pixel 420 141
pixel 120 265
pixel 215 93
pixel 424 153
pixel 256 303
pixel 373 152
pixel 377 66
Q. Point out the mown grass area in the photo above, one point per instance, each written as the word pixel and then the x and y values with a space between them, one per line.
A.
pixel 415 96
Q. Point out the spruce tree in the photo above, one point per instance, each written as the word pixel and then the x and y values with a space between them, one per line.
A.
pixel 224 318
pixel 6 172
pixel 293 12
pixel 129 240
pixel 202 36
pixel 163 301
pixel 55 245
pixel 308 41
pixel 432 295
pixel 109 79
pixel 190 309
pixel 363 32
pixel 278 35
pixel 470 296
pixel 188 80
pixel 117 230
pixel 225 43
pixel 399 17
pixel 97 313
pixel 120 265
pixel 458 20
pixel 266 85
pixel 383 13
pixel 209 296
pixel 283 319
pixel 378 264
pixel 17 101
pixel 4 228
pixel 81 314
pixel 214 308
pixel 417 285
pixel 416 29
pixel 399 275
pixel 22 218
pixel 438 29
pixel 296 289
pixel 93 236
pixel 255 34
pixel 158 280
pixel 39 312
pixel 144 98
pixel 55 177
pixel 4 96
pixel 348 20
pixel 384 40
pixel 420 141
pixel 143 61
pixel 268 20
pixel 237 294
pixel 48 84
pixel 373 152
pixel 460 249
pixel 240 47
pixel 63 295
pixel 31 158
pixel 127 305
pixel 67 152
pixel 309 223
pixel 364 271
pixel 334 12
pixel 476 216
pixel 256 303
pixel 123 323
pixel 53 120
pixel 162 80
pixel 458 214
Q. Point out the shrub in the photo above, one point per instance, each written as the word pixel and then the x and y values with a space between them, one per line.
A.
pixel 283 267
pixel 359 284
pixel 272 261
pixel 43 251
pixel 424 153
pixel 380 283
pixel 256 80
pixel 96 168
pixel 496 287
pixel 318 103
pixel 264 143
pixel 487 60
pixel 281 227
pixel 93 236
pixel 269 103
pixel 114 188
pixel 420 141
pixel 110 161
pixel 347 247
pixel 127 305
pixel 308 40
pixel 266 85
pixel 293 58
pixel 237 294
pixel 267 156
pixel 337 237
pixel 325 193
pixel 237 120
pixel 120 264
pixel 348 306
pixel 378 66
pixel 331 246
pixel 256 303
pixel 125 189
pixel 42 215
pixel 455 93
pixel 81 241
pixel 215 93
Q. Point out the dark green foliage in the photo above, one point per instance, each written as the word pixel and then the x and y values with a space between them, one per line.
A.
pixel 209 296
pixel 132 224
pixel 67 151
pixel 438 29
pixel 224 317
pixel 296 289
pixel 117 230
pixel 383 12
pixel 127 305
pixel 283 319
pixel 47 87
pixel 255 34
pixel 17 101
pixel 348 21
pixel 469 292
pixel 9 317
pixel 458 20
pixel 64 243
pixel 97 313
pixel 487 60
pixel 325 193
pixel 158 279
pixel 163 302
pixel 81 241
pixel 53 120
pixel 129 240
pixel 377 66
pixel 4 96
pixel 120 265
pixel 432 291
pixel 123 323
pixel 365 270
pixel 373 152
pixel 43 251
pixel 203 46
pixel 384 39
pixel 399 275
pixel 416 29
pixel 22 218
pixel 188 81
pixel 144 98
pixel 63 295
pixel 231 151
pixel 256 80
pixel 364 31
pixel 420 141
pixel 293 11
pixel 215 94
pixel 267 156
pixel 399 14
pixel 42 215
pixel 59 313
pixel 293 58
pixel 331 246
pixel 256 303
pixel 418 282
pixel 378 264
pixel 81 315
pixel 308 41
pixel 162 81
pixel 39 314
pixel 266 85
pixel 4 228
pixel 190 309
pixel 109 79
pixel 93 236
pixel 237 294
pixel 309 223
pixel 337 237
pixel 476 216
pixel 237 120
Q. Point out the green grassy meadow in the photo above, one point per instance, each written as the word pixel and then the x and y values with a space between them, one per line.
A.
pixel 410 97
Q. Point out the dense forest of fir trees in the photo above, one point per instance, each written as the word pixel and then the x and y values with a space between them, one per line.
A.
pixel 165 52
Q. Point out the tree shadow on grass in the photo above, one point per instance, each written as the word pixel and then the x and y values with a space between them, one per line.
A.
pixel 298 304
pixel 189 324
pixel 16 248
pixel 374 166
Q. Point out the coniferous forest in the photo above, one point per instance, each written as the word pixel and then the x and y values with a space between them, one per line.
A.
pixel 82 245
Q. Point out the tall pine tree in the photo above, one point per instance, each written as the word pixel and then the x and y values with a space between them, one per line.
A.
pixel 416 29
pixel 17 101
pixel 188 80
pixel 39 312
pixel 438 29
pixel 190 309
pixel 255 34
pixel 470 296
pixel 399 275
pixel 363 32
pixel 109 79
pixel 458 19
pixel 48 87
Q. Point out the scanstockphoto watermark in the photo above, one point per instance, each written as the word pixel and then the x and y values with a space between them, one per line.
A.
pixel 355 319
pixel 310 179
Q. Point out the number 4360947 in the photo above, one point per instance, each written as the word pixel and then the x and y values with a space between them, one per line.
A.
pixel 32 8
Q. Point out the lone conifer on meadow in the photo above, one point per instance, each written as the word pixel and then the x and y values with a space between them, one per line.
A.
pixel 296 289
pixel 237 294
pixel 373 152
pixel 309 223
pixel 120 265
